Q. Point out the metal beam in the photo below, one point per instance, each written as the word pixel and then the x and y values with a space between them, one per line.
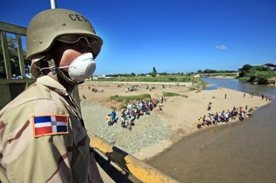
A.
pixel 4 45
pixel 20 56
pixel 11 28
pixel 53 4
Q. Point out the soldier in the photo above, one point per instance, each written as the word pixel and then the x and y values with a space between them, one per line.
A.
pixel 42 135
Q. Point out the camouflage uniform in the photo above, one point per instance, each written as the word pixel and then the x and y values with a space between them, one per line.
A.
pixel 48 157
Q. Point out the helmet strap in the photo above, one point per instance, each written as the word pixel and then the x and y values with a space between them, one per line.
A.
pixel 52 66
pixel 65 80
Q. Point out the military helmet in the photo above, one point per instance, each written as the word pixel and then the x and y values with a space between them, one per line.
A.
pixel 46 26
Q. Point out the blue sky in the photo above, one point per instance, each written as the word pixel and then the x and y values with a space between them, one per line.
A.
pixel 170 35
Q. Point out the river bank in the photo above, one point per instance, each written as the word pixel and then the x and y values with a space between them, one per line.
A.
pixel 160 129
pixel 235 152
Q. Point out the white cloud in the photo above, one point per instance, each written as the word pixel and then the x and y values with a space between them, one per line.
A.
pixel 221 47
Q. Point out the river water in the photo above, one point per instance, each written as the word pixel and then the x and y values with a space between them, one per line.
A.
pixel 240 152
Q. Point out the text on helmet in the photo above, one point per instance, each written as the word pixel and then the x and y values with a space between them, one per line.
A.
pixel 77 17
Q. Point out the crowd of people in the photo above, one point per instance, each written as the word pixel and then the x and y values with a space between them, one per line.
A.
pixel 133 111
pixel 265 97
pixel 227 115
pixel 224 116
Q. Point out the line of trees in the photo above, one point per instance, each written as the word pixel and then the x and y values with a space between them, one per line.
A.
pixel 248 73
pixel 211 71
pixel 257 74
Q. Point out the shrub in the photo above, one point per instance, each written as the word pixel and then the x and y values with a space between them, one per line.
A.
pixel 170 94
pixel 126 99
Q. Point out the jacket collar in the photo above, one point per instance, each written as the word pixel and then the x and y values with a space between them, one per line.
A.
pixel 53 84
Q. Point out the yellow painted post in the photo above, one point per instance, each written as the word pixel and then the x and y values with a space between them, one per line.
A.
pixel 134 166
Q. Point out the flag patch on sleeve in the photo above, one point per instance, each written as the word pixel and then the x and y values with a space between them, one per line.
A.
pixel 50 125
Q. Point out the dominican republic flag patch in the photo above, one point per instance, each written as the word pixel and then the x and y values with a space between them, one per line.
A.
pixel 50 125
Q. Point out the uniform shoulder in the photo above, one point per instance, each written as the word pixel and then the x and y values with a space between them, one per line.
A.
pixel 36 96
pixel 37 91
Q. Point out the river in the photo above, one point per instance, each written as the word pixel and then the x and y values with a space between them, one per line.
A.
pixel 238 152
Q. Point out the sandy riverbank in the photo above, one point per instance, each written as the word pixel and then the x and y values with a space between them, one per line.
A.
pixel 180 113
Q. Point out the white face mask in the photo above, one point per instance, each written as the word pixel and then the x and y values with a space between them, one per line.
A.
pixel 82 67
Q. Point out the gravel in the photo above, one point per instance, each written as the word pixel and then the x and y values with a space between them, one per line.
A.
pixel 148 129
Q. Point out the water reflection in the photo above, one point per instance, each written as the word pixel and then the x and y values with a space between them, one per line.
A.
pixel 237 85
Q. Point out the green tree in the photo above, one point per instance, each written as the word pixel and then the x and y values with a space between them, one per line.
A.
pixel 154 72
pixel 244 70
pixel 256 74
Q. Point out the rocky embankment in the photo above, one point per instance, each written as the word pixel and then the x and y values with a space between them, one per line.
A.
pixel 147 131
